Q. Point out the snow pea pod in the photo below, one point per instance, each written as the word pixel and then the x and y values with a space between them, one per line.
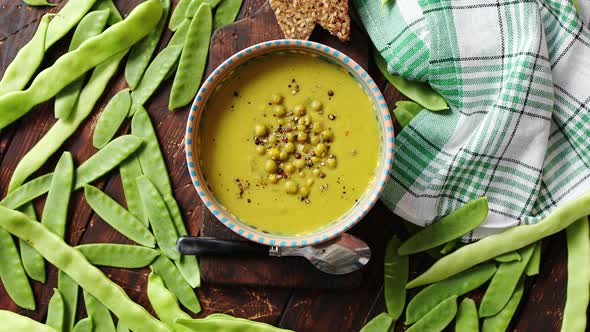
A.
pixel 449 246
pixel 72 65
pixel 55 311
pixel 66 19
pixel 13 275
pixel 420 92
pixel 503 284
pixel 195 4
pixel 534 264
pixel 158 216
pixel 27 60
pixel 457 285
pixel 73 263
pixel 178 14
pixel 111 118
pixel 176 283
pixel 192 60
pixel 500 322
pixel 121 327
pixel 226 13
pixel 118 255
pixel 508 257
pixel 33 263
pixel 35 3
pixel 84 325
pixel 141 53
pixel 55 212
pixel 438 318
pixel 118 217
pixel 467 319
pixel 395 278
pixel 19 323
pixel 101 317
pixel 379 323
pixel 448 228
pixel 91 25
pixel 163 301
pixel 69 293
pixel 115 16
pixel 405 111
pixel 578 277
pixel 130 170
pixel 223 323
pixel 179 35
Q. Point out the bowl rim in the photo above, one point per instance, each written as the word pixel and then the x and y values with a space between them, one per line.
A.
pixel 372 192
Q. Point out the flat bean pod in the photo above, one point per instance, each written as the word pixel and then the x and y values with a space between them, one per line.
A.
pixel 438 318
pixel 69 293
pixel 91 25
pixel 456 286
pixel 32 262
pixel 19 323
pixel 448 228
pixel 176 283
pixel 118 255
pixel 163 301
pixel 141 53
pixel 226 13
pixel 467 319
pixel 503 284
pixel 178 14
pixel 130 170
pixel 395 278
pixel 66 19
pixel 72 65
pixel 118 217
pixel 111 118
pixel 223 323
pixel 55 311
pixel 27 60
pixel 535 262
pixel 506 241
pixel 13 275
pixel 405 111
pixel 500 322
pixel 101 317
pixel 508 257
pixel 379 323
pixel 192 60
pixel 84 325
pixel 578 277
pixel 74 264
pixel 55 212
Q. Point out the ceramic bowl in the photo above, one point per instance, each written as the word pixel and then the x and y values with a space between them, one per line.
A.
pixel 333 227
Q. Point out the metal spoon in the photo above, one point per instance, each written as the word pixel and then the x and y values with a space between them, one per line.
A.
pixel 340 255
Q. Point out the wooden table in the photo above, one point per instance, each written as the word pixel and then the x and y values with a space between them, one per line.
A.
pixel 297 309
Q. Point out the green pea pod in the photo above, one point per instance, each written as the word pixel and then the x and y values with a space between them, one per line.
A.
pixel 155 74
pixel 419 92
pixel 163 301
pixel 578 277
pixel 176 283
pixel 66 19
pixel 226 13
pixel 27 60
pixel 448 228
pixel 508 257
pixel 101 317
pixel 72 65
pixel 32 262
pixel 395 278
pixel 121 327
pixel 69 293
pixel 535 262
pixel 449 246
pixel 84 325
pixel 179 35
pixel 55 212
pixel 467 319
pixel 141 53
pixel 130 170
pixel 118 255
pixel 35 3
pixel 457 285
pixel 55 311
pixel 115 16
pixel 192 60
pixel 503 284
pixel 438 318
pixel 380 323
pixel 193 8
pixel 111 118
pixel 223 323
pixel 118 217
pixel 178 14
pixel 19 323
pixel 405 111
pixel 500 321
pixel 91 25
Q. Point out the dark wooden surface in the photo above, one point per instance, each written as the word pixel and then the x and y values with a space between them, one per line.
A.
pixel 297 309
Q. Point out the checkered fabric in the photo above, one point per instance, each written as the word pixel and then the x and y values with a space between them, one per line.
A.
pixel 516 75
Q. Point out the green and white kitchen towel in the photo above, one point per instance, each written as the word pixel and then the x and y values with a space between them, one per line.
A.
pixel 516 76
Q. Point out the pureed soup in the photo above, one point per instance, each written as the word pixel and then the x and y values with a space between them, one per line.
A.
pixel 289 143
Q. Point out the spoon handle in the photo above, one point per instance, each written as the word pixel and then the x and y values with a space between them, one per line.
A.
pixel 208 246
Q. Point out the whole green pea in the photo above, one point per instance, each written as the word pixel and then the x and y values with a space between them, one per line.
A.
pixel 291 187
pixel 289 168
pixel 273 178
pixel 315 105
pixel 283 155
pixel 276 98
pixel 290 147
pixel 299 163
pixel 279 110
pixel 299 110
pixel 274 153
pixel 260 130
pixel 320 149
pixel 301 136
pixel 270 166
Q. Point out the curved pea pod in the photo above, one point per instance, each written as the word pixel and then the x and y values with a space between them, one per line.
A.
pixel 192 60
pixel 27 192
pixel 129 171
pixel 27 60
pixel 72 65
pixel 66 19
pixel 508 257
pixel 578 277
pixel 178 14
pixel 405 111
pixel 141 53
pixel 226 13
pixel 379 323
pixel 35 3
pixel 223 323
pixel 395 278
pixel 84 325
pixel 55 311
pixel 420 92
pixel 163 301
pixel 534 264
pixel 111 118
pixel 427 299
pixel 450 227
pixel 69 293
pixel 176 283
pixel 467 319
pixel 155 73
pixel 91 25
pixel 118 255
pixel 18 322
pixel 55 212
pixel 33 263
pixel 119 218
pixel 503 284
pixel 438 318
pixel 511 239
pixel 500 321
pixel 101 317
pixel 13 275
